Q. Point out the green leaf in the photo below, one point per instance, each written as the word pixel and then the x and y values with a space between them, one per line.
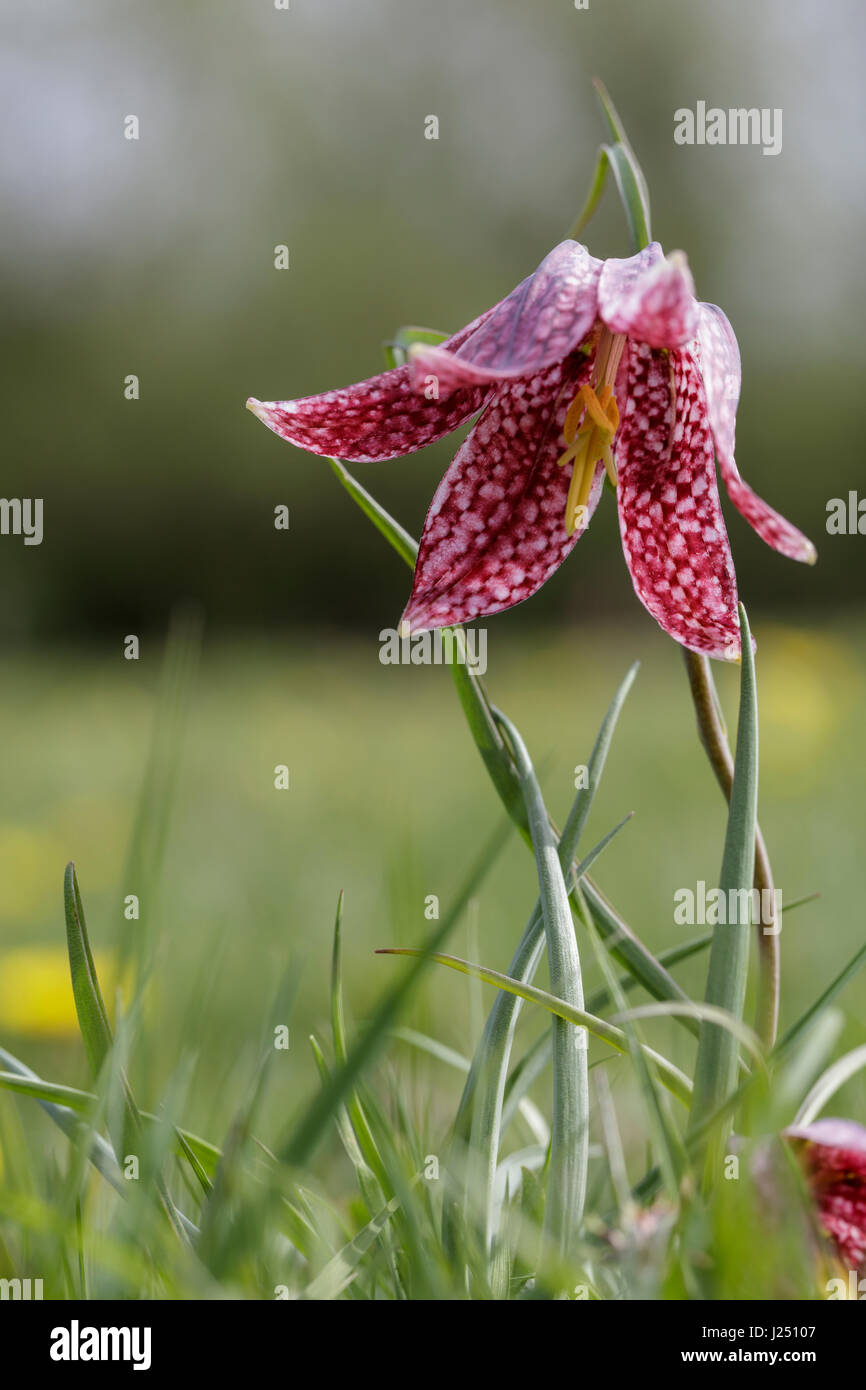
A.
pixel 537 1057
pixel 670 1076
pixel 340 1271
pixel 479 1114
pixel 393 532
pixel 717 1059
pixel 308 1130
pixel 780 1053
pixel 97 1037
pixel 625 173
pixel 569 1144
pixel 671 1153
pixel 366 1179
pixel 710 1013
pixel 397 350
pixel 355 1110
pixel 596 189
pixel 829 1083
pixel 726 983
pixel 89 1004
pixel 806 1020
pixel 630 181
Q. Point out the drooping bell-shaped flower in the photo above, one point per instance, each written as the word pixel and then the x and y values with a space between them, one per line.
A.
pixel 587 367
pixel 834 1155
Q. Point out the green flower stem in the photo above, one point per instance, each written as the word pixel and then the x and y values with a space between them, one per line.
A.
pixel 714 739
pixel 569 1143
pixel 717 1059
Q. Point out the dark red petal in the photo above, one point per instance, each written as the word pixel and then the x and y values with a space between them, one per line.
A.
pixel 541 322
pixel 720 365
pixel 649 298
pixel 834 1153
pixel 380 418
pixel 670 519
pixel 495 530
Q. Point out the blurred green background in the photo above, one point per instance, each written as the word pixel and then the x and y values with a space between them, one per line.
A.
pixel 155 257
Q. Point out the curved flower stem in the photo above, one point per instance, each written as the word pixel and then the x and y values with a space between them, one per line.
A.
pixel 715 741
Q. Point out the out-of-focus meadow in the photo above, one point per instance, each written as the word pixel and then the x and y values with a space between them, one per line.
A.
pixel 155 257
pixel 389 801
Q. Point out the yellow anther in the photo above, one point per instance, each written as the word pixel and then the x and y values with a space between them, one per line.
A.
pixel 610 465
pixel 596 408
pixel 590 424
pixel 572 515
pixel 572 419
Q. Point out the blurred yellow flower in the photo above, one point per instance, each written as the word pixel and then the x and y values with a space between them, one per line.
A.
pixel 36 993
pixel 29 872
pixel 809 685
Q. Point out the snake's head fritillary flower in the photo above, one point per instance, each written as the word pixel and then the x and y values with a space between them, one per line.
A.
pixel 834 1156
pixel 587 367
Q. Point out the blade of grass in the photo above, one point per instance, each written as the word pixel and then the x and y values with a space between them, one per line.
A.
pixel 355 1110
pixel 670 1076
pixel 569 1142
pixel 717 1059
pixel 596 189
pixel 397 350
pixel 308 1130
pixel 829 1083
pixel 533 1061
pixel 630 181
pixel 798 1030
pixel 672 1158
pixel 339 1272
pixel 97 1038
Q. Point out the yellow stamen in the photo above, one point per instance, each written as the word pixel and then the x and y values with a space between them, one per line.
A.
pixel 590 424
pixel 609 464
pixel 572 419
pixel 575 488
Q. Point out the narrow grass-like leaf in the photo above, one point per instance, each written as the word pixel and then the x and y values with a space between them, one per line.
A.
pixel 355 1109
pixel 339 1272
pixel 494 1050
pixel 149 837
pixel 672 1156
pixel 630 181
pixel 596 189
pixel 89 1004
pixel 66 1116
pixel 397 349
pixel 717 1059
pixel 309 1129
pixel 393 532
pixel 790 1037
pixel 451 1058
pixel 369 1187
pixel 622 165
pixel 96 1033
pixel 569 1143
pixel 782 1050
pixel 670 1076
pixel 706 1013
pixel 829 1083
